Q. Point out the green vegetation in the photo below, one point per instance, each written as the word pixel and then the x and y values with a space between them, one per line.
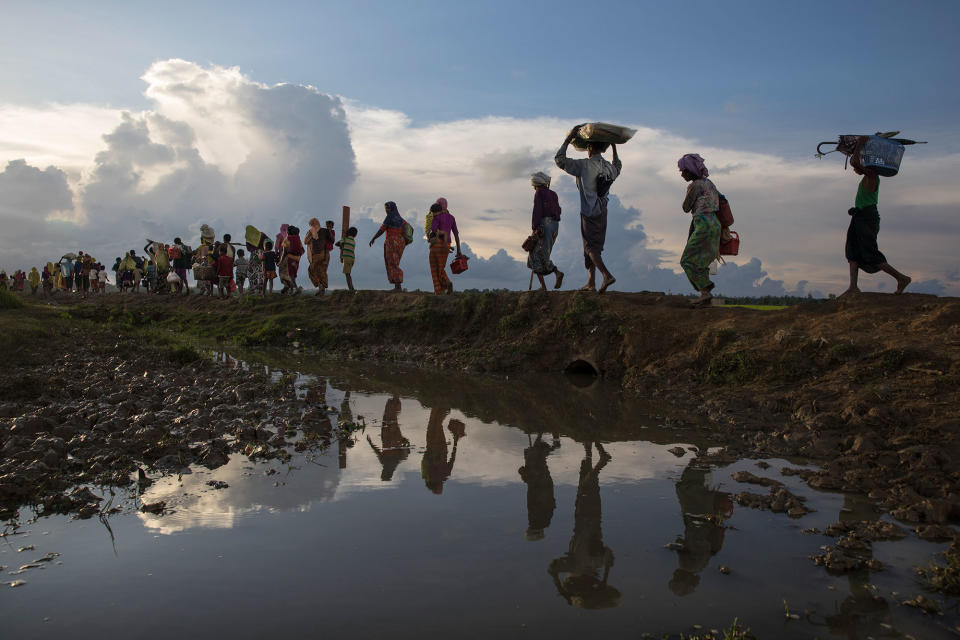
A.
pixel 9 300
pixel 759 307
pixel 735 631
pixel 736 367
pixel 945 579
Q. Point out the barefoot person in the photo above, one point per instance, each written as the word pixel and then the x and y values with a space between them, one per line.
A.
pixel 546 226
pixel 442 225
pixel 318 255
pixel 393 244
pixel 703 239
pixel 861 248
pixel 594 176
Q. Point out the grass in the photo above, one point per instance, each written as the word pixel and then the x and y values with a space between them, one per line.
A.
pixel 945 579
pixel 9 300
pixel 759 307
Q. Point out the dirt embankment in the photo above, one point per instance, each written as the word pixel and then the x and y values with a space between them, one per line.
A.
pixel 867 387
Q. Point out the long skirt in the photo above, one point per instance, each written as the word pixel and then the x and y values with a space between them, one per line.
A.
pixel 393 246
pixel 318 270
pixel 861 246
pixel 539 258
pixel 439 252
pixel 703 246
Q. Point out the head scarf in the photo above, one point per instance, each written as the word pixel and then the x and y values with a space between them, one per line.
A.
pixel 693 163
pixel 443 204
pixel 540 179
pixel 393 219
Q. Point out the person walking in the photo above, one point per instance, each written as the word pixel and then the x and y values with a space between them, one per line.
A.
pixel 441 226
pixel 546 226
pixel 318 255
pixel 594 176
pixel 861 249
pixel 393 244
pixel 703 238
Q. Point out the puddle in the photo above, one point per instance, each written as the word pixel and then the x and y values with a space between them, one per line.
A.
pixel 471 507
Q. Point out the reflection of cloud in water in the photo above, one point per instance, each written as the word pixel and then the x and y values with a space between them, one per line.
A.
pixel 197 505
pixel 489 455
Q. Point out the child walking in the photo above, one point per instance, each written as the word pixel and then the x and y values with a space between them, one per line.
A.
pixel 269 266
pixel 242 267
pixel 348 247
pixel 224 272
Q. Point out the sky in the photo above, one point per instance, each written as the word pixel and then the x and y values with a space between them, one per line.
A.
pixel 123 121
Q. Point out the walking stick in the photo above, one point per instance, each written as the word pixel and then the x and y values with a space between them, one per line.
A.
pixel 530 287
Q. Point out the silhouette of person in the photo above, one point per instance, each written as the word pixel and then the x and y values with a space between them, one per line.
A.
pixel 435 468
pixel 581 574
pixel 394 448
pixel 703 510
pixel 536 474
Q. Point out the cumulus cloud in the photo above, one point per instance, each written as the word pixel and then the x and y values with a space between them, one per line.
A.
pixel 29 192
pixel 216 146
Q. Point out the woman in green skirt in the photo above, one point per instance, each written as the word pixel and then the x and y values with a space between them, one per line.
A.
pixel 703 240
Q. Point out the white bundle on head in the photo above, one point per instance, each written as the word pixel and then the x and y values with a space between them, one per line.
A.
pixel 540 179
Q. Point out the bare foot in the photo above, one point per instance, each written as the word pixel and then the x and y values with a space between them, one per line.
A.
pixel 902 284
pixel 606 283
pixel 588 287
pixel 559 280
pixel 852 291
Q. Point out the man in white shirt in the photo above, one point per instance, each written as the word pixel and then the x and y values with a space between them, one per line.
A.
pixel 594 176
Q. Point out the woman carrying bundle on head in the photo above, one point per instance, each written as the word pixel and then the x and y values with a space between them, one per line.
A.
pixel 703 239
pixel 393 244
pixel 546 226
pixel 861 249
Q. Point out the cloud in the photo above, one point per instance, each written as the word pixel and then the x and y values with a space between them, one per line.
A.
pixel 216 146
pixel 29 192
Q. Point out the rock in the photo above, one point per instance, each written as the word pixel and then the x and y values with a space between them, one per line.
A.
pixel 747 477
pixel 217 484
pixel 154 507
pixel 18 583
pixel 924 604
pixel 677 451
pixel 724 569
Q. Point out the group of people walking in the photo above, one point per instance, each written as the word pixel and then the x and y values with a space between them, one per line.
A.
pixel 222 264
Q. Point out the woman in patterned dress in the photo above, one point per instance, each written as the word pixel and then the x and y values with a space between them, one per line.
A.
pixel 703 240
pixel 393 244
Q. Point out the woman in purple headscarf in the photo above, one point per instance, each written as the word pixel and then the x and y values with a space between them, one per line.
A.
pixel 703 240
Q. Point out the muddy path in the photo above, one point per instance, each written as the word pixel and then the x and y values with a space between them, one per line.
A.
pixel 866 388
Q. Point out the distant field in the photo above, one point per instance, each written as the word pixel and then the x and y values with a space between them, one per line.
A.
pixel 759 307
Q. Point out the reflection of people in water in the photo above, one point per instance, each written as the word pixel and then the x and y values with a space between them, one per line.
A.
pixel 863 611
pixel 540 500
pixel 581 574
pixel 435 467
pixel 394 448
pixel 343 444
pixel 704 510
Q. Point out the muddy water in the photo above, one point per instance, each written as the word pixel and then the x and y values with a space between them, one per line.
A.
pixel 465 507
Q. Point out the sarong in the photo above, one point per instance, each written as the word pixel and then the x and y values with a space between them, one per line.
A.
pixel 393 246
pixel 439 252
pixel 539 258
pixel 862 234
pixel 293 266
pixel 594 233
pixel 703 247
pixel 318 270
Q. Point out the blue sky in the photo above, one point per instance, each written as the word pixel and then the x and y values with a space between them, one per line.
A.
pixel 738 78
pixel 758 73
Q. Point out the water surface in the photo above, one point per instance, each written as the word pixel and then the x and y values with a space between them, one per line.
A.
pixel 467 507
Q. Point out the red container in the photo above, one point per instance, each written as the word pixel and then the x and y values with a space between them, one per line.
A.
pixel 732 246
pixel 459 265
